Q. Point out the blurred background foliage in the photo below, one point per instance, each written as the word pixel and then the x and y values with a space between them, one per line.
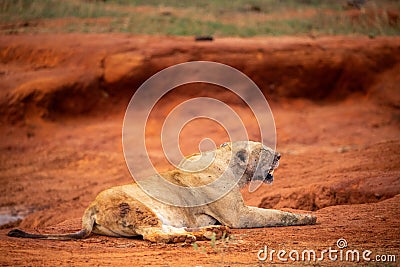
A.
pixel 244 18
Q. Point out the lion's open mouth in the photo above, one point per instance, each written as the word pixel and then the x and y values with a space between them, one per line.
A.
pixel 274 165
pixel 270 177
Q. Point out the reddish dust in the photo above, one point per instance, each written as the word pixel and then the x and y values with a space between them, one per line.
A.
pixel 336 103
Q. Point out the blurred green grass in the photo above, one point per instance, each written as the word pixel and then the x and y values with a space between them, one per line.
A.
pixel 15 10
pixel 267 6
pixel 244 18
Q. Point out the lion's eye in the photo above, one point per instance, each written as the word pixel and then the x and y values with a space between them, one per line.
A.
pixel 224 144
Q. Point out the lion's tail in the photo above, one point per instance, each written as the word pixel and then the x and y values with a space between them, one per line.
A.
pixel 77 235
pixel 87 226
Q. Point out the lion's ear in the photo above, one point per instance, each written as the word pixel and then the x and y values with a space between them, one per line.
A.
pixel 242 155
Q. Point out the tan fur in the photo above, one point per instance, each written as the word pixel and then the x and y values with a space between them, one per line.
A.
pixel 126 211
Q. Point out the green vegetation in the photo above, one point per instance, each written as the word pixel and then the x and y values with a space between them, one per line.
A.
pixel 268 6
pixel 243 18
pixel 16 10
pixel 216 246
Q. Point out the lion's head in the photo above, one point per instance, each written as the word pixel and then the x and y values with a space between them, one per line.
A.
pixel 256 161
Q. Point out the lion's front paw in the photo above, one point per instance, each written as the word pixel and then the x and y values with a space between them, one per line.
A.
pixel 183 239
pixel 309 219
pixel 218 232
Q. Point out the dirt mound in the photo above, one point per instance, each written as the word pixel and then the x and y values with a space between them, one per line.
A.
pixel 321 196
pixel 370 175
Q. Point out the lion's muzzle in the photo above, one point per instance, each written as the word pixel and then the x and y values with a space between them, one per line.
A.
pixel 275 163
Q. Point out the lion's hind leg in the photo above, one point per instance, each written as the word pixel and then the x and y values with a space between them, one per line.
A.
pixel 166 234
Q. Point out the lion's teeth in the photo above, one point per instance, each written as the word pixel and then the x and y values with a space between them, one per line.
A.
pixel 271 171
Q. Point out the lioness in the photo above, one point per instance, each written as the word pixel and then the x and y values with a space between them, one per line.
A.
pixel 127 211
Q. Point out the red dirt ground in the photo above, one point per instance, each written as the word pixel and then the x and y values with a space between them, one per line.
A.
pixel 336 103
